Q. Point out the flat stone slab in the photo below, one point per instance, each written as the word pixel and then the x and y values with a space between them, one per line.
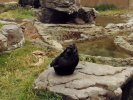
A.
pixel 89 82
pixel 123 44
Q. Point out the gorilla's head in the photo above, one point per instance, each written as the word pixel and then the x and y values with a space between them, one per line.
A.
pixel 71 49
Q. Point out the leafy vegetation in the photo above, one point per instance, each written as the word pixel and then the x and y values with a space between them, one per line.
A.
pixel 87 58
pixel 17 74
pixel 104 7
pixel 114 12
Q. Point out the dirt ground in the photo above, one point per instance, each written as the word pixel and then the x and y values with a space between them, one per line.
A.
pixel 3 1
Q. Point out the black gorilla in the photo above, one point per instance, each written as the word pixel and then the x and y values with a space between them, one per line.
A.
pixel 33 3
pixel 67 61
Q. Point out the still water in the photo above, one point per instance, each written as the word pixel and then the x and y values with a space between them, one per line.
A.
pixel 104 47
pixel 104 20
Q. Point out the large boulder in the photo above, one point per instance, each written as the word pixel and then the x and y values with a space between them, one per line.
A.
pixel 123 44
pixel 89 82
pixel 66 11
pixel 54 16
pixel 13 37
pixel 68 6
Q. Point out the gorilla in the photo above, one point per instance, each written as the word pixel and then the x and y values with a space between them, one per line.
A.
pixel 67 61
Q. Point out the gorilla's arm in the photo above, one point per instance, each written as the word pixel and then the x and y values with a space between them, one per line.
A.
pixel 54 63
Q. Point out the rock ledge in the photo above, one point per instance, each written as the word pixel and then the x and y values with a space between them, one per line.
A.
pixel 89 82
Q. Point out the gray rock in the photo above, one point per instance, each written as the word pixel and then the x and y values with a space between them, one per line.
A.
pixel 130 37
pixel 71 10
pixel 53 9
pixel 110 26
pixel 89 82
pixel 46 36
pixel 68 6
pixel 121 26
pixel 14 35
pixel 123 62
pixel 63 32
pixel 123 44
pixel 7 22
pixel 56 45
pixel 128 25
pixel 84 37
pixel 88 15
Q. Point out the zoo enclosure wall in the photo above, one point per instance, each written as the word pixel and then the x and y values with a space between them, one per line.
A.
pixel 117 3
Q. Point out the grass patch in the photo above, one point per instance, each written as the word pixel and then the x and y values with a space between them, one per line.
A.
pixel 3 58
pixel 17 13
pixel 105 7
pixel 1 25
pixel 114 12
pixel 17 74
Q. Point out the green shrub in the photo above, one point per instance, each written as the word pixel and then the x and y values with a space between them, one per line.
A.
pixel 104 7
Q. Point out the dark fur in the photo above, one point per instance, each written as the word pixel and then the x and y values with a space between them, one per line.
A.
pixel 67 61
